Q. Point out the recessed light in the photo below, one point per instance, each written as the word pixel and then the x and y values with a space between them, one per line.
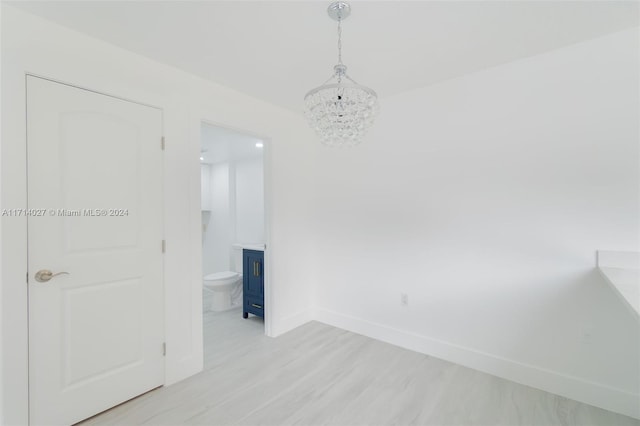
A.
pixel 259 145
pixel 201 158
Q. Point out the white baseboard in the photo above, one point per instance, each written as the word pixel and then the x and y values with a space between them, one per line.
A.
pixel 596 394
pixel 290 322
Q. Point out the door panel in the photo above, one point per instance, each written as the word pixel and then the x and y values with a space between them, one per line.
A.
pixel 95 169
pixel 111 186
pixel 87 353
pixel 253 270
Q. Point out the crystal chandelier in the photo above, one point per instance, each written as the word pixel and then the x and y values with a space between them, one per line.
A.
pixel 341 110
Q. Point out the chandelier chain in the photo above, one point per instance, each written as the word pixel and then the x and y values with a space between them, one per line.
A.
pixel 340 41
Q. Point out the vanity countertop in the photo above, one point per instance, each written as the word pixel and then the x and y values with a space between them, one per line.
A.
pixel 626 283
pixel 250 246
pixel 621 269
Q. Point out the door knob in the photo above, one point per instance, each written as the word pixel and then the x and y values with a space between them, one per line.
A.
pixel 44 275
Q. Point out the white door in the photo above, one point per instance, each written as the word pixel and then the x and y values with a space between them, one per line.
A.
pixel 95 213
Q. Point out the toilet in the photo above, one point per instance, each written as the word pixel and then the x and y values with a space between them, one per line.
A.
pixel 226 286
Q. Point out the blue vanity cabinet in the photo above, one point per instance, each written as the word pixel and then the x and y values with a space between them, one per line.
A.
pixel 252 283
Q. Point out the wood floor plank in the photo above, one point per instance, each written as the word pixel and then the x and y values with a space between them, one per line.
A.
pixel 321 375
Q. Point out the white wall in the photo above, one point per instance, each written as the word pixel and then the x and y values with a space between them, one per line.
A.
pixel 236 192
pixel 249 201
pixel 2 362
pixel 205 187
pixel 30 44
pixel 484 198
pixel 218 238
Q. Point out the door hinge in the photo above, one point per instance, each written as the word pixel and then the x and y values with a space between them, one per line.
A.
pixel 164 349
pixel 27 277
pixel 162 143
pixel 164 246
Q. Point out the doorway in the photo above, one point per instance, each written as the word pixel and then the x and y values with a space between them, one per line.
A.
pixel 233 231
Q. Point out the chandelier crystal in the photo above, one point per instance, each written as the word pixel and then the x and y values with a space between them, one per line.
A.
pixel 341 110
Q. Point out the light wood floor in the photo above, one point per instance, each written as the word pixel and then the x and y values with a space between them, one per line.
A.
pixel 319 374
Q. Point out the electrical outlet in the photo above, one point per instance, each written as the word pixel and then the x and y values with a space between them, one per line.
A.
pixel 404 299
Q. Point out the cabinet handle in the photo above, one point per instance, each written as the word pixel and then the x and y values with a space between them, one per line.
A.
pixel 256 306
pixel 255 274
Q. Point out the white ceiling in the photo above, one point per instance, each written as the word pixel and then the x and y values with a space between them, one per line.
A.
pixel 278 50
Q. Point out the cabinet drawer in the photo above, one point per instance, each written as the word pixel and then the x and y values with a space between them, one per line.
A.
pixel 255 306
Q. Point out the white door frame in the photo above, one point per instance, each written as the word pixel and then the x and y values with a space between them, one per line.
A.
pixel 266 173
